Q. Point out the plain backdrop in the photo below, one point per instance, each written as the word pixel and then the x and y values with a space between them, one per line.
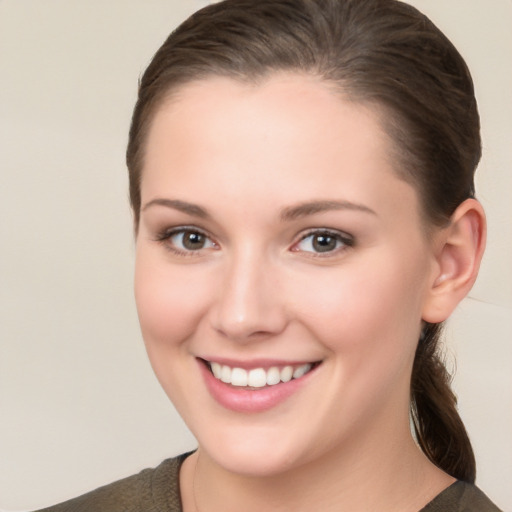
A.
pixel 79 405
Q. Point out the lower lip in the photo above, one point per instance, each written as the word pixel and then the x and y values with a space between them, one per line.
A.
pixel 251 400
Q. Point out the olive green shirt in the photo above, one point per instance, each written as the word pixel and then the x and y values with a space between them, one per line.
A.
pixel 157 490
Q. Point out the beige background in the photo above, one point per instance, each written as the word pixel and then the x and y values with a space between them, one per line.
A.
pixel 79 406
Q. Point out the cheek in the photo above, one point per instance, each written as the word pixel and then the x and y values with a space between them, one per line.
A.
pixel 368 320
pixel 374 305
pixel 169 307
pixel 168 303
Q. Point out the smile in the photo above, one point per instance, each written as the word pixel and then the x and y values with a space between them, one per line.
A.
pixel 257 386
pixel 258 377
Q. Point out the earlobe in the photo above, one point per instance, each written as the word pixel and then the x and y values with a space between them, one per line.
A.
pixel 458 258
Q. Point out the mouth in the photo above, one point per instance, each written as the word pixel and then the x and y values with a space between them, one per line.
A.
pixel 258 377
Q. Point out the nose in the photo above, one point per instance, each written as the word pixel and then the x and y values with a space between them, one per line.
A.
pixel 249 304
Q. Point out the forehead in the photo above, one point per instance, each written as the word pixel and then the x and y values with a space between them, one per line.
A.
pixel 278 101
pixel 291 137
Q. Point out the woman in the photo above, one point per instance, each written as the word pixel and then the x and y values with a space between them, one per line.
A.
pixel 301 177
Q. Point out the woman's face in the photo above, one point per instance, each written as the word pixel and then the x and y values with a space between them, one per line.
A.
pixel 275 238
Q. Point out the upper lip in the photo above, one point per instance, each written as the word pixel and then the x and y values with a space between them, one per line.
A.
pixel 250 364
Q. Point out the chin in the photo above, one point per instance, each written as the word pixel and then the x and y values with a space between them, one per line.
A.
pixel 253 454
pixel 254 464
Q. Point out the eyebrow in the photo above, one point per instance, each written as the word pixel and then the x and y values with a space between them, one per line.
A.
pixel 182 206
pixel 287 214
pixel 312 207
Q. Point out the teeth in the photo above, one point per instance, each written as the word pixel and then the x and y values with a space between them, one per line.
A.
pixel 239 377
pixel 225 375
pixel 258 377
pixel 301 370
pixel 273 376
pixel 216 369
pixel 286 374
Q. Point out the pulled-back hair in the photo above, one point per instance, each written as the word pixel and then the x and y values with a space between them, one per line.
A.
pixel 376 52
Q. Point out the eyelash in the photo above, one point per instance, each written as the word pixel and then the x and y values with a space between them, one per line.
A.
pixel 347 241
pixel 165 239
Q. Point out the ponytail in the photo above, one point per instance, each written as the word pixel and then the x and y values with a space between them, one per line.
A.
pixel 439 429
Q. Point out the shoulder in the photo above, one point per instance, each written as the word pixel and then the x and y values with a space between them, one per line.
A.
pixel 151 490
pixel 461 497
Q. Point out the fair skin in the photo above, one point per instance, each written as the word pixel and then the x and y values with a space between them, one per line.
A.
pixel 274 232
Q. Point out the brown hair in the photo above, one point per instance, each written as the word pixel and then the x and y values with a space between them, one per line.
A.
pixel 380 52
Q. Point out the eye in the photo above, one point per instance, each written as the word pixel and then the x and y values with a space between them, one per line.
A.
pixel 324 242
pixel 186 240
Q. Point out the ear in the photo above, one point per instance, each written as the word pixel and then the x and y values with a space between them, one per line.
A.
pixel 458 253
